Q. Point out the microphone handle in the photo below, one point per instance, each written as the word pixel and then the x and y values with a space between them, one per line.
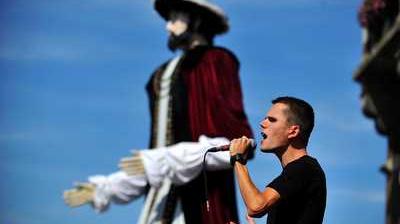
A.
pixel 226 147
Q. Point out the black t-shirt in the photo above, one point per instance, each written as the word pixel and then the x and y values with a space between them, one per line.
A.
pixel 302 189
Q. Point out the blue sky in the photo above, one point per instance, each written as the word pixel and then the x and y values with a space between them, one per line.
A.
pixel 72 77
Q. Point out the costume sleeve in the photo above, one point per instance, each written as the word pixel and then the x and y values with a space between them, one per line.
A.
pixel 117 187
pixel 182 162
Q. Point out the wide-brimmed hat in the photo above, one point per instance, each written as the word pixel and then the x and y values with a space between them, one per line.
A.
pixel 214 16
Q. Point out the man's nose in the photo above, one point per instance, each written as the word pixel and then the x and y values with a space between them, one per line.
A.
pixel 263 124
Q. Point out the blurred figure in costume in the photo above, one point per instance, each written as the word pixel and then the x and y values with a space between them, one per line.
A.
pixel 195 103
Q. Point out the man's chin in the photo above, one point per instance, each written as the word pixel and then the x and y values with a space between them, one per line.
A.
pixel 267 149
pixel 270 149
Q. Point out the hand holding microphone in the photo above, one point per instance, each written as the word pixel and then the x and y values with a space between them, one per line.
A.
pixel 238 145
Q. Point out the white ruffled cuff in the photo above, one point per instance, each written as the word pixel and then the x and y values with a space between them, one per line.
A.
pixel 117 187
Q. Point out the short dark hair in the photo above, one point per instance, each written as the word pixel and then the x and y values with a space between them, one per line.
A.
pixel 299 113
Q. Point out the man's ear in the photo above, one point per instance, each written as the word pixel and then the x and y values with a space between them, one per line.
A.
pixel 293 131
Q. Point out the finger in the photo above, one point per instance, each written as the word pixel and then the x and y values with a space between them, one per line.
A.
pixel 76 202
pixel 134 172
pixel 127 165
pixel 131 164
pixel 245 140
pixel 73 201
pixel 235 141
pixel 70 193
pixel 131 161
pixel 131 167
pixel 78 198
pixel 134 157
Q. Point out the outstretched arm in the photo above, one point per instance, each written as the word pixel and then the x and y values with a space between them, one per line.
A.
pixel 181 162
pixel 101 190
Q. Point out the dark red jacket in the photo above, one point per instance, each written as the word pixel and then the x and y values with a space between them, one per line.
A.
pixel 206 99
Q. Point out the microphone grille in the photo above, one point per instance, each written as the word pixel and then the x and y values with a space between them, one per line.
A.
pixel 253 143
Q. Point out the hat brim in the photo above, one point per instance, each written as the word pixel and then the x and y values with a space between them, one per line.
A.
pixel 215 17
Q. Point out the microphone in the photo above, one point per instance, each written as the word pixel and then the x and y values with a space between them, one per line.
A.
pixel 226 147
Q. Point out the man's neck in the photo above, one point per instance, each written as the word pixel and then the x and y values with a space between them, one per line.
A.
pixel 291 154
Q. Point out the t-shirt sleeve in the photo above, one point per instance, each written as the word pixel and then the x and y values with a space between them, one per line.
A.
pixel 291 181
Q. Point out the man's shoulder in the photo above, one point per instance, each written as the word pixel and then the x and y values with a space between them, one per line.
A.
pixel 304 160
pixel 306 164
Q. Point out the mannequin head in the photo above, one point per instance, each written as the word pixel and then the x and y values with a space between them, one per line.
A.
pixel 187 30
pixel 191 22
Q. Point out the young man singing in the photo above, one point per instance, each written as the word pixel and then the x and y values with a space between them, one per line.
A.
pixel 298 194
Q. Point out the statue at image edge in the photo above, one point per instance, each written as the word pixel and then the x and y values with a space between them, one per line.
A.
pixel 195 103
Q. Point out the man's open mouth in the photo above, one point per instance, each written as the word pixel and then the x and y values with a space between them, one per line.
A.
pixel 264 136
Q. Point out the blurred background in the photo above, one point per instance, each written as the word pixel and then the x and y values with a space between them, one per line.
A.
pixel 72 98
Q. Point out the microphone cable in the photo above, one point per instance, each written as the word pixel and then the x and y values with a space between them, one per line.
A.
pixel 204 167
pixel 205 181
